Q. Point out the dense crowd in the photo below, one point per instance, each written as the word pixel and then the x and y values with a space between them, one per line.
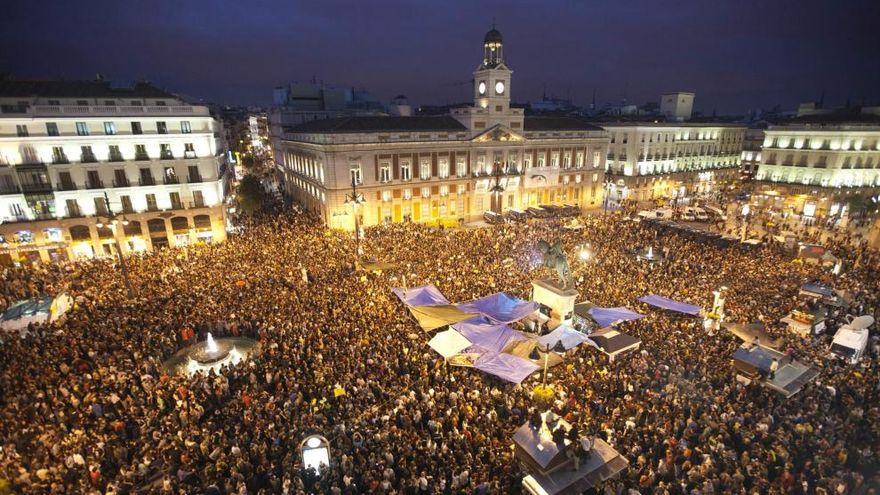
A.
pixel 87 407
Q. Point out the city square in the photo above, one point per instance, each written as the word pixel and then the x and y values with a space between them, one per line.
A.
pixel 337 294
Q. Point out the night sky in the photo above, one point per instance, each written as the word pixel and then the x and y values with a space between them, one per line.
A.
pixel 736 55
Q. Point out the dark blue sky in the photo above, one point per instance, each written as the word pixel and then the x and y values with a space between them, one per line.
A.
pixel 736 55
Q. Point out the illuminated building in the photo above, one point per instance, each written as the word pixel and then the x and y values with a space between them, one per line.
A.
pixel 660 160
pixel 444 169
pixel 65 144
pixel 813 165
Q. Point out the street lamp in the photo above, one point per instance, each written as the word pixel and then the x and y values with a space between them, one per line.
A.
pixel 355 199
pixel 745 222
pixel 112 222
pixel 584 253
pixel 559 347
pixel 497 190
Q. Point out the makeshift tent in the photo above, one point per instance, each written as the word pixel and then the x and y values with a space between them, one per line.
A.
pixel 37 310
pixel 669 304
pixel 524 349
pixel 612 342
pixel 748 331
pixel 569 337
pixel 500 307
pixel 506 366
pixel 488 335
pixel 433 317
pixel 449 343
pixel 606 317
pixel 816 289
pixel 426 295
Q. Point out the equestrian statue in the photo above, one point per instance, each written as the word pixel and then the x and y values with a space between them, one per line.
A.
pixel 554 257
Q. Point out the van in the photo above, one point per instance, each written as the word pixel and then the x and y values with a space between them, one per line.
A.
pixel 851 339
pixel 700 214
pixel 688 214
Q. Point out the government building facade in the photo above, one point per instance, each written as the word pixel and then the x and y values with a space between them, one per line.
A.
pixel 84 165
pixel 443 169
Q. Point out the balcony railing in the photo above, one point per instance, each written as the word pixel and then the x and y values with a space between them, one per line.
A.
pixel 67 186
pixel 72 212
pixel 172 179
pixel 121 183
pixel 115 157
pixel 50 110
pixel 9 189
pixel 88 158
pixel 37 187
pixel 95 184
pixel 60 160
pixel 141 157
pixel 167 155
pixel 195 179
pixel 147 181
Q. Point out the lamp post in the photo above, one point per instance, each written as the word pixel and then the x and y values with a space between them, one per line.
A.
pixel 355 199
pixel 497 190
pixel 111 224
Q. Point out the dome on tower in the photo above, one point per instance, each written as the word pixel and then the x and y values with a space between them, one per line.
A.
pixel 493 36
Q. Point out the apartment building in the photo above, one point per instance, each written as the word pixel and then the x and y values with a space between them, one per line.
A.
pixel 78 154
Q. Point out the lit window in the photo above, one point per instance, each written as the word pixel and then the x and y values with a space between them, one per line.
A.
pixel 426 192
pixel 386 195
pixel 407 194
pixel 425 168
pixel 444 190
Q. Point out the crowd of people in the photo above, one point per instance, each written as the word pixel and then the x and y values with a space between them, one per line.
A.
pixel 86 405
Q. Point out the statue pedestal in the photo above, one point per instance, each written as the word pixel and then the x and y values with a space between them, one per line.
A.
pixel 559 299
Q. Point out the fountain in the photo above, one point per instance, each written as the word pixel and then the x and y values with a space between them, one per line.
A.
pixel 210 354
pixel 650 257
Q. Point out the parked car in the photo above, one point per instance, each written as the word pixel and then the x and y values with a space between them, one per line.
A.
pixel 493 218
pixel 516 215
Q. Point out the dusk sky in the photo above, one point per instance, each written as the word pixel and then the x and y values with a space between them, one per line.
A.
pixel 735 55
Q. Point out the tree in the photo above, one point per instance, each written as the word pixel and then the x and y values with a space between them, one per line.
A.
pixel 858 204
pixel 251 196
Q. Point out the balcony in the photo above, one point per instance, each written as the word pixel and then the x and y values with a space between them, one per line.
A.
pixel 166 155
pixel 194 179
pixel 147 181
pixel 88 158
pixel 189 154
pixel 121 183
pixel 72 212
pixel 99 110
pixel 38 187
pixel 67 186
pixel 95 184
pixel 60 160
pixel 173 179
pixel 9 189
pixel 115 157
pixel 141 157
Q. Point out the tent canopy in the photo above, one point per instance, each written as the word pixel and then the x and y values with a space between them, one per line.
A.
pixel 500 307
pixel 433 317
pixel 490 336
pixel 449 343
pixel 37 310
pixel 426 295
pixel 669 304
pixel 569 337
pixel 748 331
pixel 818 288
pixel 606 317
pixel 506 366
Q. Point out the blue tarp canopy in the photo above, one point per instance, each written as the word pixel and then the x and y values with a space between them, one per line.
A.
pixel 488 335
pixel 28 308
pixel 506 366
pixel 664 303
pixel 606 317
pixel 426 295
pixel 569 337
pixel 500 308
pixel 818 288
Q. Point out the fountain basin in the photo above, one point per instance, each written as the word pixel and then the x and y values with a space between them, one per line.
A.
pixel 205 356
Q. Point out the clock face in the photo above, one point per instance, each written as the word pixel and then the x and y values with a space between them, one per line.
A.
pixel 499 87
pixel 482 88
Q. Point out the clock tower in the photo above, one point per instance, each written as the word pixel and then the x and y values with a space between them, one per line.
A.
pixel 492 77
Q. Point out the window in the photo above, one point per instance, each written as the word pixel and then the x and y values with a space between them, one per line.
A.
pixel 426 192
pixel 405 170
pixel 87 156
pixel 151 202
pixel 194 174
pixel 119 178
pixel 407 193
pixel 175 200
pixel 444 190
pixel 100 206
pixel 82 129
pixel 82 103
pixel 51 128
pixel 140 152
pixel 185 127
pixel 443 167
pixel 355 174
pixel 136 103
pixel 460 166
pixel 386 196
pixel 72 208
pixel 425 168
pixel 147 177
pixel 115 155
pixel 566 159
pixel 126 204
pixel 165 152
pixel 136 128
pixel 110 103
pixel 110 128
pixel 189 150
pixel 198 199
pixel 481 164
pixel 540 160
pixel 58 155
pixel 54 102
pixel 527 161
pixel 161 128
pixel 579 159
pixel 461 188
pixel 385 172
pixel 21 130
pixel 597 159
pixel 65 181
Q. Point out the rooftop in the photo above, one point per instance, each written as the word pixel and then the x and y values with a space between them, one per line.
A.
pixel 557 123
pixel 365 124
pixel 78 89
